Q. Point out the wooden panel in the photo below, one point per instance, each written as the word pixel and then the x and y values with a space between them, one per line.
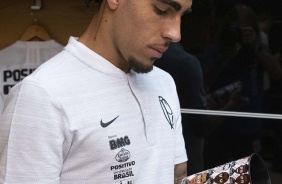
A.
pixel 61 18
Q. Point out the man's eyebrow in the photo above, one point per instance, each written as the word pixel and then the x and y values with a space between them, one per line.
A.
pixel 189 10
pixel 172 3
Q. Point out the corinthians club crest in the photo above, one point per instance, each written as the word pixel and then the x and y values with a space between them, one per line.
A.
pixel 167 111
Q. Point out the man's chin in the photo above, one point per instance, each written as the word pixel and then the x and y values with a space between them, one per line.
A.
pixel 142 69
pixel 139 66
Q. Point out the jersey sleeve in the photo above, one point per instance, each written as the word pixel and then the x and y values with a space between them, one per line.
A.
pixel 34 136
pixel 180 151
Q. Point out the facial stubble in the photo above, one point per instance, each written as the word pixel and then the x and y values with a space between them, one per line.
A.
pixel 139 66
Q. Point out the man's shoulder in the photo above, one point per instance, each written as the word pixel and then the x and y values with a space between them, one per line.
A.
pixel 156 77
pixel 60 69
pixel 161 73
pixel 159 77
pixel 57 65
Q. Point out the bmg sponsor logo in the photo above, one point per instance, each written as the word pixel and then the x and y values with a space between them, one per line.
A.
pixel 124 170
pixel 119 142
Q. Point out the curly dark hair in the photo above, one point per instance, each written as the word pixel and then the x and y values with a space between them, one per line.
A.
pixel 231 31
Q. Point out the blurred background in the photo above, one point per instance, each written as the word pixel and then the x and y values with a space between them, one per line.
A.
pixel 235 41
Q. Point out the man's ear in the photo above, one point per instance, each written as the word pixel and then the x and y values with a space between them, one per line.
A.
pixel 113 4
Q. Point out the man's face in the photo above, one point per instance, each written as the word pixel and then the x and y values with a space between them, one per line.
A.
pixel 249 36
pixel 143 29
pixel 243 179
pixel 242 169
pixel 221 178
pixel 199 179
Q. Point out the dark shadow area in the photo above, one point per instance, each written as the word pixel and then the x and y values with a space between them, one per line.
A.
pixel 224 43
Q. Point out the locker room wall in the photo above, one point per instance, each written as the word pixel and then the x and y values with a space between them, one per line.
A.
pixel 61 19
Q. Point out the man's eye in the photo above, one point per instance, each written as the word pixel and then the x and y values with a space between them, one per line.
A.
pixel 159 11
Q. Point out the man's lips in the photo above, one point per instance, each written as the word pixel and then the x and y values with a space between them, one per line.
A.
pixel 157 52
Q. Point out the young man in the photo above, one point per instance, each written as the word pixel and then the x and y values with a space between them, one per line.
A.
pixel 91 114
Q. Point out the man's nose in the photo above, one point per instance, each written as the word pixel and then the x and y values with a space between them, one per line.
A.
pixel 172 30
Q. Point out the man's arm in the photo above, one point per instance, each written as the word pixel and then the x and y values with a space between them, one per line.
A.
pixel 34 135
pixel 180 171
